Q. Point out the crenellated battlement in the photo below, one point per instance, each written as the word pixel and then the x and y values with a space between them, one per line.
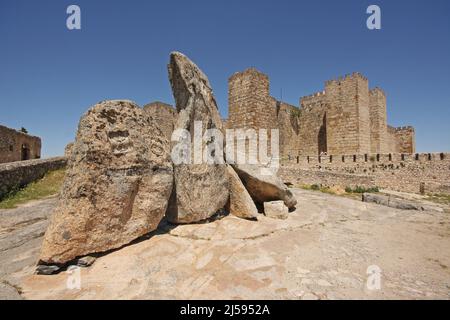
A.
pixel 404 128
pixel 251 71
pixel 346 77
pixel 376 90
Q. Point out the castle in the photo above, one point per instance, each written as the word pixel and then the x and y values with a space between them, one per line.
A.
pixel 18 146
pixel 345 118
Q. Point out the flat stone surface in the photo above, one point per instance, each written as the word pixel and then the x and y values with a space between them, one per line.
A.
pixel 322 251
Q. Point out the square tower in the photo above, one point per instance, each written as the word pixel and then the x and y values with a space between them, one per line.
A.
pixel 348 119
pixel 249 103
pixel 378 122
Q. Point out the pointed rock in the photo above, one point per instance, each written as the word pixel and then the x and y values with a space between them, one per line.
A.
pixel 201 189
pixel 117 185
pixel 241 204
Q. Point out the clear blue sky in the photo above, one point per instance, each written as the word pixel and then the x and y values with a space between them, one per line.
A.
pixel 49 76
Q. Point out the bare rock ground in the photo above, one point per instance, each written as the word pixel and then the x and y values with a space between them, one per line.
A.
pixel 322 251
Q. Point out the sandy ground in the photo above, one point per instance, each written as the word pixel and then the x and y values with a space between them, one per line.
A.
pixel 330 248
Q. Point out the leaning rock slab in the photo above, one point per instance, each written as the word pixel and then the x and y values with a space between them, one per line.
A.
pixel 276 210
pixel 201 189
pixel 241 204
pixel 264 187
pixel 117 184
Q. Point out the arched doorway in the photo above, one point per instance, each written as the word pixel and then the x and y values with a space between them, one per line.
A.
pixel 25 152
pixel 322 137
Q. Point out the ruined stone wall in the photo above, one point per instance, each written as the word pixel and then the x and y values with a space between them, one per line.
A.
pixel 249 102
pixel 405 138
pixel 378 121
pixel 18 174
pixel 312 128
pixel 288 123
pixel 17 146
pixel 400 172
pixel 348 120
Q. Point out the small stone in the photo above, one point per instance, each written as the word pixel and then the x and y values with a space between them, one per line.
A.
pixel 276 210
pixel 86 261
pixel 47 269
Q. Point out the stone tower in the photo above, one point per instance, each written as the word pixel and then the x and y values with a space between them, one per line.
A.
pixel 348 118
pixel 249 100
pixel 378 123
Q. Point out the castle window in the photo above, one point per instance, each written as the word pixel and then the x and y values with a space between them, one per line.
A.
pixel 354 158
pixel 365 157
pixel 331 158
pixel 298 159
pixel 417 156
pixel 320 159
pixel 403 157
pixel 307 158
pixel 343 158
pixel 442 156
pixel 390 156
pixel 11 148
pixel 378 157
pixel 429 156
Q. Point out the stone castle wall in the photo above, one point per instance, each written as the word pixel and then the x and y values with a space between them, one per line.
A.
pixel 348 121
pixel 346 117
pixel 378 121
pixel 17 146
pixel 312 128
pixel 18 174
pixel 395 171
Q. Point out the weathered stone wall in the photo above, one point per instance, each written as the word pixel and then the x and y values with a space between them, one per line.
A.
pixel 249 101
pixel 378 121
pixel 401 172
pixel 312 133
pixel 348 120
pixel 298 177
pixel 17 146
pixel 18 174
pixel 344 118
pixel 288 123
pixel 405 137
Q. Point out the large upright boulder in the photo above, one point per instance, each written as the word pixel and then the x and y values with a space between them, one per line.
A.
pixel 201 189
pixel 241 204
pixel 117 184
pixel 264 186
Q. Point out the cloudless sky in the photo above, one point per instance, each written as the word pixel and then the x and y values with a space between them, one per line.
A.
pixel 49 75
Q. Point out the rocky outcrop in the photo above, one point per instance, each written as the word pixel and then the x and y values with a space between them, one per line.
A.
pixel 201 188
pixel 241 204
pixel 117 185
pixel 264 187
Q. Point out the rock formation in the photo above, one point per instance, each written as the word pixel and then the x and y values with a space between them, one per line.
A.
pixel 201 189
pixel 264 187
pixel 123 176
pixel 241 204
pixel 117 185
